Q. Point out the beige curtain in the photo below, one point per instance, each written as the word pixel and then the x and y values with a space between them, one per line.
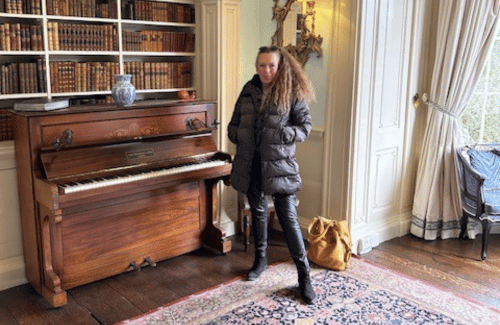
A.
pixel 466 29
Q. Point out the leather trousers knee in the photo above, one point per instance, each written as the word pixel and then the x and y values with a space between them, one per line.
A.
pixel 258 208
pixel 287 216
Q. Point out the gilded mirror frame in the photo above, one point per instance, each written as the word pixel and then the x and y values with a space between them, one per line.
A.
pixel 308 42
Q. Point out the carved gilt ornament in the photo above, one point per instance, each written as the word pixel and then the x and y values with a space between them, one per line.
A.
pixel 308 42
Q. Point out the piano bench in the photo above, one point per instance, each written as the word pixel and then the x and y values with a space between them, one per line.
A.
pixel 247 216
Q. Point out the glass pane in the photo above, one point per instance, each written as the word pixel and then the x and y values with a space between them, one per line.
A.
pixel 494 73
pixel 481 83
pixel 492 120
pixel 471 118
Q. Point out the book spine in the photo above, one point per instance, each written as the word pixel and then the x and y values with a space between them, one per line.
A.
pixel 50 35
pixel 39 71
pixel 7 36
pixel 2 37
pixel 15 78
pixel 22 76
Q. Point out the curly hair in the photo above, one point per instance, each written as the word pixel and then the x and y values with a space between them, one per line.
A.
pixel 290 82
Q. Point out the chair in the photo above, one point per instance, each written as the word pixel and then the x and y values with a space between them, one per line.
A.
pixel 479 175
pixel 247 216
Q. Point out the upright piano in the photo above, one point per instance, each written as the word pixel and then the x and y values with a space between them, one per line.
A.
pixel 107 189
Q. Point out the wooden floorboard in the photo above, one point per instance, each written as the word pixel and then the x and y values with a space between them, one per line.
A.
pixel 451 264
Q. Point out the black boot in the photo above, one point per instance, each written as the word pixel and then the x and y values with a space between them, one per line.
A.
pixel 287 216
pixel 259 266
pixel 306 289
pixel 259 230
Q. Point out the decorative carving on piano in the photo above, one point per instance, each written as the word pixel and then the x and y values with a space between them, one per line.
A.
pixel 134 131
pixel 195 124
pixel 66 139
pixel 51 289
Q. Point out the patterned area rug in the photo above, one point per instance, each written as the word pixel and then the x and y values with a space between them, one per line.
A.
pixel 363 294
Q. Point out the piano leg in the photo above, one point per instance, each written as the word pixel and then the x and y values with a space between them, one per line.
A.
pixel 51 287
pixel 216 236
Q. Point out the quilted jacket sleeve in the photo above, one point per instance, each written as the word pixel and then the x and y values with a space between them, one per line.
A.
pixel 300 120
pixel 232 127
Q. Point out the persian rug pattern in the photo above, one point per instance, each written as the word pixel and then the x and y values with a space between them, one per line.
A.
pixel 363 294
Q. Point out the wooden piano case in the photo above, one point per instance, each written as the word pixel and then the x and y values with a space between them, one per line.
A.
pixel 70 239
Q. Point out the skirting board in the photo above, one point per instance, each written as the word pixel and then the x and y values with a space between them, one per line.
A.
pixel 12 272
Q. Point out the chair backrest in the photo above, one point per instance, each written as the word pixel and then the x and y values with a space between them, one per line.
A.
pixel 463 158
pixel 470 182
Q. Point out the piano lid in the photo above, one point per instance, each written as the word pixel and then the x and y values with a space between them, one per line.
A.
pixel 72 162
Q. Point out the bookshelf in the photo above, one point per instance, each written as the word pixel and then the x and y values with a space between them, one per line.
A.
pixel 74 48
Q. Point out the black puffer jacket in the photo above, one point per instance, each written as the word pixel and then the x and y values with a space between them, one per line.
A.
pixel 274 135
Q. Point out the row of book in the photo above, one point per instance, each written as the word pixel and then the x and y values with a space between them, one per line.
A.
pixel 83 8
pixel 158 41
pixel 6 127
pixel 160 75
pixel 23 78
pixel 21 37
pixel 32 7
pixel 81 37
pixel 159 11
pixel 68 76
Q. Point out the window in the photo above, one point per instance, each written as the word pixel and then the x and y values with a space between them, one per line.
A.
pixel 481 119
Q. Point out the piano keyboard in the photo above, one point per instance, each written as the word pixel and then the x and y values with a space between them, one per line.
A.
pixel 133 177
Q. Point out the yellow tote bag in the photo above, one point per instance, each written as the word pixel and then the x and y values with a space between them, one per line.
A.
pixel 329 243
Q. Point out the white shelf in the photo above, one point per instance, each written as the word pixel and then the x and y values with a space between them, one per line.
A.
pixel 83 19
pixel 85 93
pixel 156 23
pixel 146 91
pixel 23 16
pixel 24 53
pixel 23 96
pixel 159 54
pixel 111 53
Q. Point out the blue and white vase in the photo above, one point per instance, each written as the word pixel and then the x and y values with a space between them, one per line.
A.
pixel 123 91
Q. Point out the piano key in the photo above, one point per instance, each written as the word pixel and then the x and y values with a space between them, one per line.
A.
pixel 132 177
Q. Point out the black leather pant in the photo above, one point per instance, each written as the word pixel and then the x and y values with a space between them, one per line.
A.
pixel 287 217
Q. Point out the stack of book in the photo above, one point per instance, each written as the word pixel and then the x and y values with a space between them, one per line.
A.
pixel 41 104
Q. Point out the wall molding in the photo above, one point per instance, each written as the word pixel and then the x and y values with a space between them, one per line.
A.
pixel 7 155
pixel 317 134
pixel 12 272
pixel 338 115
pixel 397 226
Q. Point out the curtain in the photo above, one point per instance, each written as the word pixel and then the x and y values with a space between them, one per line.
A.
pixel 465 33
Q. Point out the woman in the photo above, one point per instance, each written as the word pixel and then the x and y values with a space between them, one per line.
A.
pixel 271 114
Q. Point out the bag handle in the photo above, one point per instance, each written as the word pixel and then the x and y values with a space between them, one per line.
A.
pixel 318 237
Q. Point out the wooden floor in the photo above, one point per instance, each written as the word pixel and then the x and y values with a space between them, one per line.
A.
pixel 451 263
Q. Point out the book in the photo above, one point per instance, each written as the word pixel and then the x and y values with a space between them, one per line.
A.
pixel 41 104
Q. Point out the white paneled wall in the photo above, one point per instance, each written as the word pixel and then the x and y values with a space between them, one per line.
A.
pixel 310 155
pixel 11 251
pixel 220 80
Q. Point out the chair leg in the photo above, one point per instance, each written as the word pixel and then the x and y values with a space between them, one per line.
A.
pixel 463 227
pixel 246 229
pixel 272 215
pixel 486 232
